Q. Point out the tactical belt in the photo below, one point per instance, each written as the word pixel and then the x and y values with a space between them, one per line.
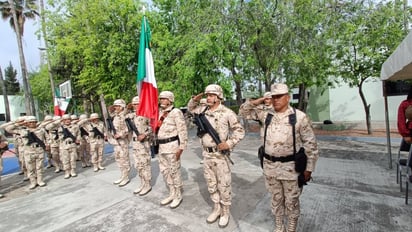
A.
pixel 69 142
pixel 168 140
pixel 34 145
pixel 98 137
pixel 282 159
pixel 210 149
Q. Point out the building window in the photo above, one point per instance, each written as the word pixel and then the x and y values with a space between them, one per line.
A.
pixel 2 117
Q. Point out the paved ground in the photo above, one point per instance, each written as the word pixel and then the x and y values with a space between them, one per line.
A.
pixel 352 190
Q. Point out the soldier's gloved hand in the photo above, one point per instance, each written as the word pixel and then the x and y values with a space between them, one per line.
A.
pixel 408 139
pixel 308 175
pixel 198 97
pixel 178 154
pixel 223 146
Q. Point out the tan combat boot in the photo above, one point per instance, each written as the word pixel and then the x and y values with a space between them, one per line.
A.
pixel 66 174
pixel 125 179
pixel 40 181
pixel 146 188
pixel 95 168
pixel 292 224
pixel 170 198
pixel 33 182
pixel 101 167
pixel 224 216
pixel 177 199
pixel 279 225
pixel 73 173
pixel 215 214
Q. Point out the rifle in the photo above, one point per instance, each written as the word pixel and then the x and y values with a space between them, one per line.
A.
pixel 83 132
pixel 68 134
pixel 96 133
pixel 131 126
pixel 34 139
pixel 204 127
pixel 110 126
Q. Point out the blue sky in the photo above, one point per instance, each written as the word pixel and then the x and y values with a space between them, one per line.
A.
pixel 10 52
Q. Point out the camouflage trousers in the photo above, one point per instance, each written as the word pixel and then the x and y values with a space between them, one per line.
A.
pixel 170 169
pixel 141 155
pixel 218 178
pixel 55 156
pixel 96 151
pixel 84 151
pixel 20 156
pixel 34 163
pixel 69 157
pixel 121 155
pixel 285 195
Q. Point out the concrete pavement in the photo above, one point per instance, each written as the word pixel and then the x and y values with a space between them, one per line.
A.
pixel 352 190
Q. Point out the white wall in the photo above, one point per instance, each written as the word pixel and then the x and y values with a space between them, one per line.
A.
pixel 346 104
pixel 16 106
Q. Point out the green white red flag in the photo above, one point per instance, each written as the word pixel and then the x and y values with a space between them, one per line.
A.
pixel 147 87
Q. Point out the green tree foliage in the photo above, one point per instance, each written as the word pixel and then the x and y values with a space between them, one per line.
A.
pixel 95 45
pixel 40 84
pixel 12 84
pixel 368 33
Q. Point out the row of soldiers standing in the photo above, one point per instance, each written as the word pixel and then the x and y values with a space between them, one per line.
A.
pixel 63 141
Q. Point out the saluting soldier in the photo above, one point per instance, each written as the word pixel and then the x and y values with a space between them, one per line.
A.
pixel 35 144
pixel 216 166
pixel 54 143
pixel 141 147
pixel 96 131
pixel 47 119
pixel 69 136
pixel 120 141
pixel 172 140
pixel 84 147
pixel 18 142
pixel 279 159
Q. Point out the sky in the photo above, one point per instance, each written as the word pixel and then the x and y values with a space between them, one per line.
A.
pixel 10 52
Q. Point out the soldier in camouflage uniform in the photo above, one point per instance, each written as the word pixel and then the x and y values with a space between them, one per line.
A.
pixel 141 148
pixel 279 166
pixel 47 119
pixel 54 142
pixel 96 140
pixel 84 147
pixel 121 142
pixel 215 164
pixel 4 146
pixel 35 144
pixel 172 140
pixel 69 136
pixel 18 143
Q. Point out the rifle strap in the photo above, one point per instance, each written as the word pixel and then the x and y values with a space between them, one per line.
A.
pixel 162 118
pixel 292 121
pixel 267 122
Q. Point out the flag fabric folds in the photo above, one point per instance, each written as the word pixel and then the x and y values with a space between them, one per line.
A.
pixel 148 93
pixel 60 104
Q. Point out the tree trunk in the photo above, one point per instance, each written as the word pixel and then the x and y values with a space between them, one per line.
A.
pixel 366 107
pixel 29 101
pixel 5 97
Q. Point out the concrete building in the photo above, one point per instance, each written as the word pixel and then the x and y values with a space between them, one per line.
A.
pixel 17 107
pixel 344 105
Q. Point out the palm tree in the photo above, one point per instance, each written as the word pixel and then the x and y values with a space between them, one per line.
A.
pixel 17 11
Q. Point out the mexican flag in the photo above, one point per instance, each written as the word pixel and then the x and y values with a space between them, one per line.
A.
pixel 147 88
pixel 60 104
